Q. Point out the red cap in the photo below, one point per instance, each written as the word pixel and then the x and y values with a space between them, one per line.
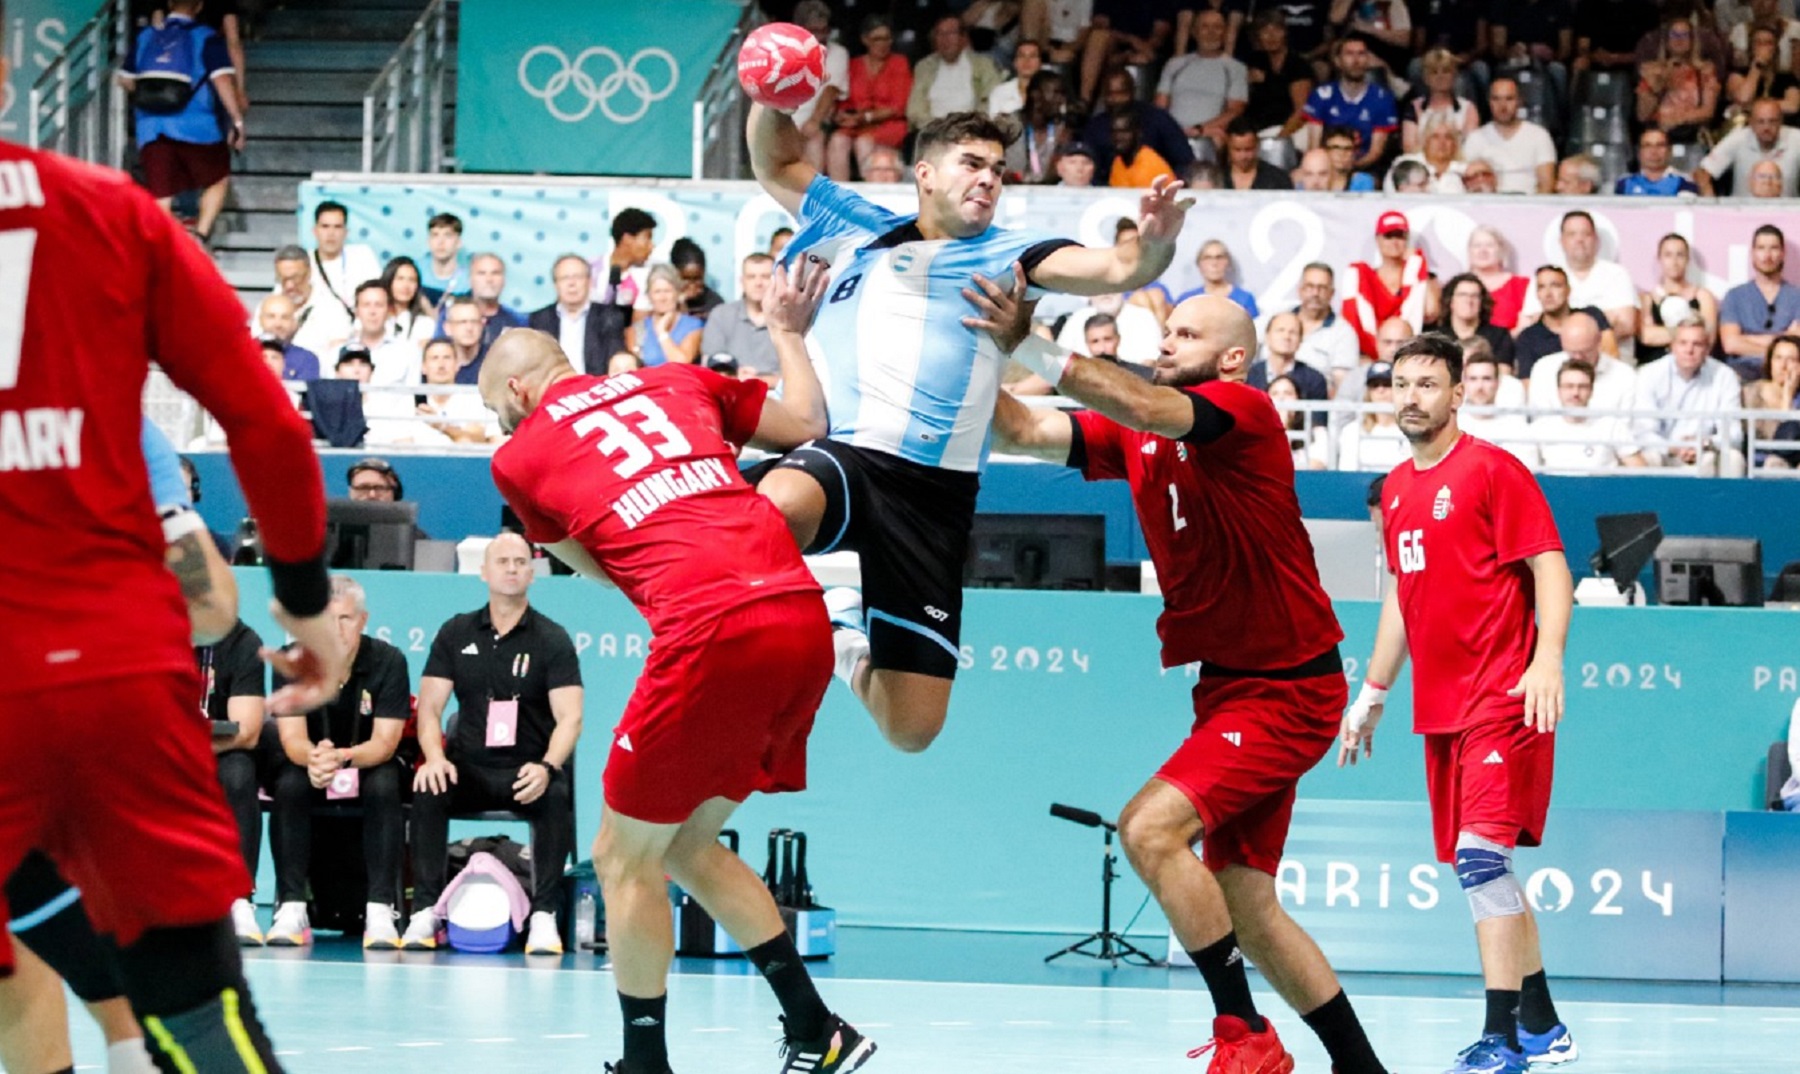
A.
pixel 1391 221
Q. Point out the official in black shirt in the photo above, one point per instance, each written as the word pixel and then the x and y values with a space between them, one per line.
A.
pixel 518 693
pixel 233 683
pixel 344 751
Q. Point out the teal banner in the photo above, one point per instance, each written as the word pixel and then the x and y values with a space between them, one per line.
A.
pixel 35 33
pixel 576 87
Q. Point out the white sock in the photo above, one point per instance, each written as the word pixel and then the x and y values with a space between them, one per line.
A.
pixel 129 1057
pixel 851 648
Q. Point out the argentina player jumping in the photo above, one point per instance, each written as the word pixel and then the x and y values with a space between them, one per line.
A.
pixel 911 390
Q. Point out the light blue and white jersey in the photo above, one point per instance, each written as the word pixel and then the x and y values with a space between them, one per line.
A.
pixel 168 485
pixel 901 373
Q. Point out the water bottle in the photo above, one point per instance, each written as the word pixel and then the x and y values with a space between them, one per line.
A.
pixel 584 922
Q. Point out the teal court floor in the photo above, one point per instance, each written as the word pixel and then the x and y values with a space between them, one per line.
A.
pixel 937 1003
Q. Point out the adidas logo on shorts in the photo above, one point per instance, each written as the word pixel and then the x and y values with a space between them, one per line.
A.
pixel 624 743
pixel 1236 738
pixel 1494 758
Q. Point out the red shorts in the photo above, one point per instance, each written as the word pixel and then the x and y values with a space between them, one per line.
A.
pixel 1491 779
pixel 1252 741
pixel 172 167
pixel 722 711
pixel 115 780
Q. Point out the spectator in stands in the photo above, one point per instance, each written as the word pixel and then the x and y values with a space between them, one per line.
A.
pixel 1311 449
pixel 1456 26
pixel 1763 138
pixel 1101 332
pixel 1140 337
pixel 814 16
pixel 275 321
pixel 1134 164
pixel 1468 309
pixel 952 79
pixel 1674 299
pixel 1765 74
pixel 412 318
pixel 354 362
pixel 1577 442
pixel 232 688
pixel 1615 383
pixel 1398 285
pixel 445 271
pixel 396 359
pixel 1340 154
pixel 1355 101
pixel 874 113
pixel 1544 336
pixel 667 335
pixel 1123 32
pixel 1439 160
pixel 1206 89
pixel 1060 27
pixel 344 751
pixel 459 417
pixel 1281 348
pixel 588 333
pixel 1578 175
pixel 1594 280
pixel 1784 28
pixel 1314 175
pixel 1232 11
pixel 321 322
pixel 1691 381
pixel 1386 25
pixel 373 480
pixel 1280 79
pixel 1712 44
pixel 619 278
pixel 1408 176
pixel 988 21
pixel 1157 128
pixel 882 165
pixel 1214 263
pixel 1754 312
pixel 1607 33
pixel 1245 168
pixel 697 298
pixel 1375 442
pixel 1654 178
pixel 1436 102
pixel 517 684
pixel 1778 388
pixel 462 327
pixel 1522 153
pixel 1009 96
pixel 1481 381
pixel 1045 130
pixel 1765 180
pixel 341 266
pixel 739 329
pixel 1490 259
pixel 1353 388
pixel 487 282
pixel 1535 33
pixel 181 146
pixel 1679 91
pixel 1327 342
pixel 1479 176
pixel 778 240
pixel 1075 165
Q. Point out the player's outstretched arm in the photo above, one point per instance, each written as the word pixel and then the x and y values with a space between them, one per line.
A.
pixel 1358 730
pixel 579 559
pixel 778 156
pixel 1022 430
pixel 1082 270
pixel 1542 684
pixel 799 415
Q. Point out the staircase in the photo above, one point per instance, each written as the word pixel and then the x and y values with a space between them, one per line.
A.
pixel 309 64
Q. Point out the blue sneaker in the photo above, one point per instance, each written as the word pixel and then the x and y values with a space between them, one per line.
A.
pixel 1490 1055
pixel 1549 1048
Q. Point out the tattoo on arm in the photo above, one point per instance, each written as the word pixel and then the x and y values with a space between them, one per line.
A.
pixel 188 562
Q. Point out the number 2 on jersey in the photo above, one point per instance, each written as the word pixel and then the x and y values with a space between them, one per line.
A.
pixel 634 445
pixel 16 248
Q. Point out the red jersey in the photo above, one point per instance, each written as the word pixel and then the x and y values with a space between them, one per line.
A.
pixel 641 469
pixel 1240 585
pixel 1457 537
pixel 96 283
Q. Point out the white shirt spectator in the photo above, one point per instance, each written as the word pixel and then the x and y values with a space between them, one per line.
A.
pixel 1615 383
pixel 1140 340
pixel 1509 431
pixel 1198 87
pixel 1511 393
pixel 1739 152
pixel 1582 446
pixel 392 419
pixel 1607 286
pixel 1068 18
pixel 417 328
pixel 354 266
pixel 837 73
pixel 462 408
pixel 1714 388
pixel 324 325
pixel 953 90
pixel 1516 159
pixel 396 362
pixel 1381 448
pixel 1330 346
pixel 571 333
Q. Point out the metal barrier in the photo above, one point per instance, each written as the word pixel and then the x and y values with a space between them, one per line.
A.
pixel 76 106
pixel 406 126
pixel 721 109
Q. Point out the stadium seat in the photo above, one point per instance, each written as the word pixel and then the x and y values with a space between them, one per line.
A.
pixel 1614 158
pixel 1604 89
pixel 1537 97
pixel 1280 153
pixel 1684 157
pixel 1598 123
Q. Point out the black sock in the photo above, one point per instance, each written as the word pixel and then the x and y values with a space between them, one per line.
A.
pixel 1222 964
pixel 646 1046
pixel 1537 1013
pixel 1503 1016
pixel 779 962
pixel 1341 1032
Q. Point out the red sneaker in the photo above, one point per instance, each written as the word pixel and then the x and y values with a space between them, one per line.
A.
pixel 1236 1050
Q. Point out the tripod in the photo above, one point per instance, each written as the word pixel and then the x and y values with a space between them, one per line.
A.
pixel 1114 947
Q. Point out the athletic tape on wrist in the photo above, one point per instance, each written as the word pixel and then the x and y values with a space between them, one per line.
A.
pixel 178 522
pixel 1043 357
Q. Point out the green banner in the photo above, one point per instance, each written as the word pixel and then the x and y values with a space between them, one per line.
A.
pixel 35 34
pixel 582 87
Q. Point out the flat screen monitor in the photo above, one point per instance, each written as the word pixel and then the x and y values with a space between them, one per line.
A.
pixel 1037 552
pixel 1710 570
pixel 370 535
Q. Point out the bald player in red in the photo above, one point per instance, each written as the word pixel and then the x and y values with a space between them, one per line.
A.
pixel 1212 478
pixel 108 772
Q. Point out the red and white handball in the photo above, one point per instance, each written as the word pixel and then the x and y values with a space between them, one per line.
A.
pixel 781 66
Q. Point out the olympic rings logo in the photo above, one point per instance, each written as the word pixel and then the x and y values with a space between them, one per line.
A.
pixel 598 92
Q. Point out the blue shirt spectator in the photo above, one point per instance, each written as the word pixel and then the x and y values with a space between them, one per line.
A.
pixel 651 352
pixel 1637 184
pixel 298 363
pixel 197 122
pixel 1238 295
pixel 1374 110
pixel 1745 306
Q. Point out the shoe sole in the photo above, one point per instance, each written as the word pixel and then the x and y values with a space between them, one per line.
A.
pixel 543 950
pixel 1569 1056
pixel 251 941
pixel 858 1056
pixel 419 945
pixel 287 941
pixel 381 945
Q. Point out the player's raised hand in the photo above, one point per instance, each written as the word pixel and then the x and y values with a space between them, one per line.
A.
pixel 793 298
pixel 1002 312
pixel 1160 214
pixel 1542 688
pixel 1358 730
pixel 314 665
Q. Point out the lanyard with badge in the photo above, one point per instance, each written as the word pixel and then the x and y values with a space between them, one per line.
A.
pixel 346 782
pixel 503 713
pixel 208 681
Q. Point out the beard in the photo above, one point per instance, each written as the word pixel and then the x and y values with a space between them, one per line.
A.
pixel 1178 377
pixel 1421 434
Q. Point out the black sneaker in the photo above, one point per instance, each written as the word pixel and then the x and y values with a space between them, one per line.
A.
pixel 838 1050
pixel 622 1067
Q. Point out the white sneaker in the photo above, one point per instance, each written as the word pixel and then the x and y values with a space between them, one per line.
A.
pixel 378 927
pixel 290 927
pixel 542 937
pixel 243 919
pixel 845 606
pixel 421 931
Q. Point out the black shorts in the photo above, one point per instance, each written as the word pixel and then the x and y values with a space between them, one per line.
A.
pixel 910 523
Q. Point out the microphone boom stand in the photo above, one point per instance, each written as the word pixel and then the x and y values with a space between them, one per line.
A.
pixel 1113 946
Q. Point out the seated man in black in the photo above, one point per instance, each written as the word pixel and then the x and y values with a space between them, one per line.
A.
pixel 344 752
pixel 233 683
pixel 518 696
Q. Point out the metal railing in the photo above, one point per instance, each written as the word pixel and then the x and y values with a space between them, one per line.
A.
pixel 721 108
pixel 406 127
pixel 76 106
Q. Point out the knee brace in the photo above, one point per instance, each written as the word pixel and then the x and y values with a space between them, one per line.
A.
pixel 1484 868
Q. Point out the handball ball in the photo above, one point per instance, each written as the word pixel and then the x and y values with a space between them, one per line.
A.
pixel 781 66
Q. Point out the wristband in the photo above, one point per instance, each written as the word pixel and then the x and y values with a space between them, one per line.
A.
pixel 180 521
pixel 1373 685
pixel 1371 694
pixel 303 588
pixel 1043 357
